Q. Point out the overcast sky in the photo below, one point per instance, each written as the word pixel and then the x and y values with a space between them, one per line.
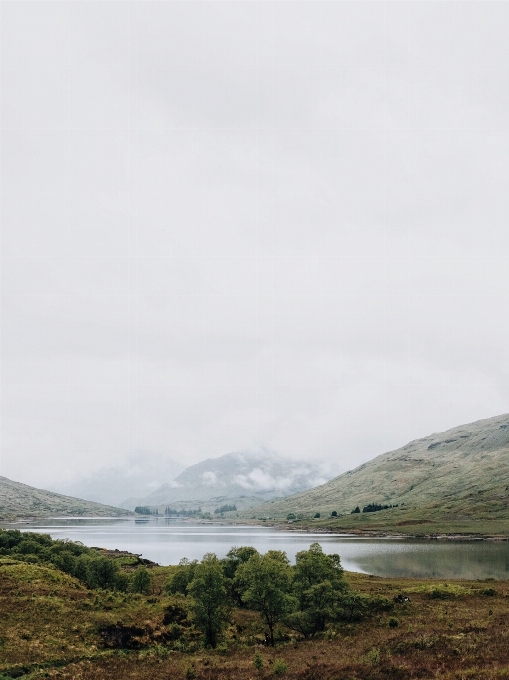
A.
pixel 239 225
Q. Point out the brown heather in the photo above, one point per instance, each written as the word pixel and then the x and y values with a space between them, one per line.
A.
pixel 50 626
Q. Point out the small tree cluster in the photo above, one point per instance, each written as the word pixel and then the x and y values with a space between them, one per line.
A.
pixel 375 507
pixel 145 510
pixel 182 513
pixel 303 597
pixel 225 508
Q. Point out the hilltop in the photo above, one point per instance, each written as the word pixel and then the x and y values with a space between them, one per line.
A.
pixel 453 481
pixel 19 500
pixel 243 479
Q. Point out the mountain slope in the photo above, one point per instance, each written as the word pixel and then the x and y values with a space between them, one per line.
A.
pixel 243 479
pixel 20 500
pixel 464 470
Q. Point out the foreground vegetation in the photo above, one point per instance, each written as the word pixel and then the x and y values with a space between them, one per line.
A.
pixel 153 622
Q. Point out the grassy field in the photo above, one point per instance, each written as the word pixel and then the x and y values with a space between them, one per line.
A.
pixel 53 626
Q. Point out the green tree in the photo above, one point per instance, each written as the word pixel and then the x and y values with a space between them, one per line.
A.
pixel 101 573
pixel 265 582
pixel 179 582
pixel 142 581
pixel 210 598
pixel 319 586
pixel 234 558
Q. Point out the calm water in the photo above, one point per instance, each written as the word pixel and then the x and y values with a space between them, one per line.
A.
pixel 166 541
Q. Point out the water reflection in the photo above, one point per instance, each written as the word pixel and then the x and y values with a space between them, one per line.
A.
pixel 166 541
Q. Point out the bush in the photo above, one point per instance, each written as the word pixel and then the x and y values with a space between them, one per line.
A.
pixel 393 623
pixel 280 667
pixel 317 515
pixel 354 512
pixel 334 513
pixel 258 661
pixel 189 672
pixel 489 592
pixel 373 656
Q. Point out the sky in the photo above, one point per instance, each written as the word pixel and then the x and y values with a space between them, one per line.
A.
pixel 241 226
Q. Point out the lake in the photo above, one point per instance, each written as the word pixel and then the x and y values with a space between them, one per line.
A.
pixel 166 541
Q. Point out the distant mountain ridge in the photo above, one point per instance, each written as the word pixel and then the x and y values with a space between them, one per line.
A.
pixel 20 500
pixel 461 473
pixel 138 475
pixel 241 478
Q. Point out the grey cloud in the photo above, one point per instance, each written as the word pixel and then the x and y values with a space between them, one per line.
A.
pixel 233 225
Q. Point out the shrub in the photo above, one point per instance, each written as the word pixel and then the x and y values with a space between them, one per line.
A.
pixel 317 515
pixel 373 656
pixel 334 513
pixel 354 512
pixel 393 623
pixel 290 515
pixel 489 592
pixel 280 667
pixel 189 672
pixel 258 661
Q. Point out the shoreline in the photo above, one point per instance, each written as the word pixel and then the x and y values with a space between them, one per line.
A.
pixel 282 526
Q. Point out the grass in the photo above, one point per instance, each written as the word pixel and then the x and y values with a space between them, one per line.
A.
pixel 52 626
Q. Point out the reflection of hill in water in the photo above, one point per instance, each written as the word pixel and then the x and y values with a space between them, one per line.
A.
pixel 440 560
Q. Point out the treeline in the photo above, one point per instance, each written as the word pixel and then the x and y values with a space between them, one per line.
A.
pixel 225 508
pixel 75 559
pixel 182 513
pixel 145 510
pixel 374 507
pixel 304 597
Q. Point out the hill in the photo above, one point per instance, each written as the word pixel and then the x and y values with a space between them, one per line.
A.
pixel 240 479
pixel 19 500
pixel 453 481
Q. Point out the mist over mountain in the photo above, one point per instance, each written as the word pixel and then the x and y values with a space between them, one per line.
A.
pixel 139 476
pixel 241 478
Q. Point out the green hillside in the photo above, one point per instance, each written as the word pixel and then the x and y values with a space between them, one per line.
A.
pixel 455 481
pixel 19 500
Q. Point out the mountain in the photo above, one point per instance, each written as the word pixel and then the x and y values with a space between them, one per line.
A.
pixel 20 500
pixel 243 479
pixel 138 476
pixel 452 479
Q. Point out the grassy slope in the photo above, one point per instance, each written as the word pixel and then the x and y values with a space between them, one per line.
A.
pixel 455 481
pixel 19 500
pixel 50 628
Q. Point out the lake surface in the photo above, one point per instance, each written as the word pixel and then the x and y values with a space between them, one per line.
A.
pixel 166 541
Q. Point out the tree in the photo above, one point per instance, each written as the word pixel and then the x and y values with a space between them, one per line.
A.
pixel 318 585
pixel 101 573
pixel 234 558
pixel 210 601
pixel 265 582
pixel 180 580
pixel 142 581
